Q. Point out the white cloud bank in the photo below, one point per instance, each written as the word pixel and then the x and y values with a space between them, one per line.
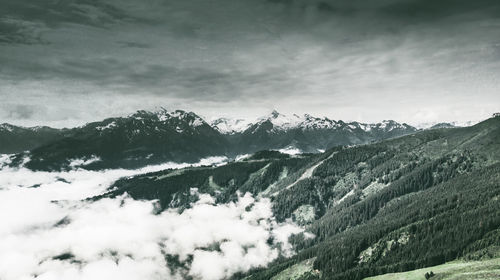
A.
pixel 47 232
pixel 290 150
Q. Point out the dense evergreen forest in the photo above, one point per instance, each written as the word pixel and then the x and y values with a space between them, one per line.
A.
pixel 405 203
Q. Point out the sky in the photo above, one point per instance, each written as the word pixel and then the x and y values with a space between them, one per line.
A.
pixel 65 63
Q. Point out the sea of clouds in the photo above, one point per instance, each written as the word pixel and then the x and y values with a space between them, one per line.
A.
pixel 48 230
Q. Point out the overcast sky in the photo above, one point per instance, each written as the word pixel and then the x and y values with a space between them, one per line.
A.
pixel 66 62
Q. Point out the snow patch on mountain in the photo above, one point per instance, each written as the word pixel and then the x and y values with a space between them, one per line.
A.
pixel 365 127
pixel 230 126
pixel 108 126
pixel 281 122
pixel 310 122
pixel 7 127
pixel 390 125
pixel 164 116
pixel 197 122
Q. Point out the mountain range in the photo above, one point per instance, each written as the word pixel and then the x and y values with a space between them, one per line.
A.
pixel 16 139
pixel 154 137
pixel 380 198
pixel 396 205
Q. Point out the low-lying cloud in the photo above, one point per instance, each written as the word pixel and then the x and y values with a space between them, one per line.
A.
pixel 49 232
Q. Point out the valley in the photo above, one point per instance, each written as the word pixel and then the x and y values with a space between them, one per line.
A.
pixel 352 211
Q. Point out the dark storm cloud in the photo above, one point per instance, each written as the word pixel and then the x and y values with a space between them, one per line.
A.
pixel 326 55
pixel 18 111
pixel 425 10
pixel 18 32
pixel 97 70
pixel 21 22
pixel 156 78
pixel 55 12
pixel 191 18
pixel 406 11
pixel 125 44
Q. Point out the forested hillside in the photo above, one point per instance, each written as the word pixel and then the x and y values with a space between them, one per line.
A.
pixel 129 142
pixel 15 139
pixel 405 203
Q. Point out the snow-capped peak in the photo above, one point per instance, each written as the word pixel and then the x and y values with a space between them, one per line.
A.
pixel 163 115
pixel 151 120
pixel 6 126
pixel 311 122
pixel 192 118
pixel 281 121
pixel 230 126
pixel 10 128
pixel 385 125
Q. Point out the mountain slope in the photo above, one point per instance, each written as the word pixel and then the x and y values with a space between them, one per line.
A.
pixel 430 198
pixel 15 139
pixel 311 134
pixel 400 204
pixel 153 137
pixel 137 140
pixel 484 269
pixel 230 126
pixel 443 125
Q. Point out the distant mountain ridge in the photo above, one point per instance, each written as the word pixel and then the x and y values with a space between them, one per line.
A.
pixel 433 125
pixel 443 125
pixel 310 134
pixel 153 137
pixel 15 139
pixel 283 122
pixel 401 204
pixel 136 140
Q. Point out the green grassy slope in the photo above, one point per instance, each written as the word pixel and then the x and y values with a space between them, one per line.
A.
pixel 456 270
